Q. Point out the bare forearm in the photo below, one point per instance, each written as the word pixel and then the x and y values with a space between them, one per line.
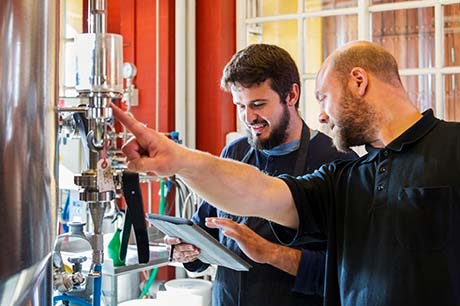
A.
pixel 231 186
pixel 284 258
pixel 239 188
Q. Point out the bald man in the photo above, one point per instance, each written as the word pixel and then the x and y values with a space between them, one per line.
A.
pixel 392 217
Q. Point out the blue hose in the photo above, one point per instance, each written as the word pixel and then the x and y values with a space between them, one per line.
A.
pixel 65 214
pixel 70 298
pixel 97 289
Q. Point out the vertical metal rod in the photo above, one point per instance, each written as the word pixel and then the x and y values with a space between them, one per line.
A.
pixel 439 60
pixel 96 17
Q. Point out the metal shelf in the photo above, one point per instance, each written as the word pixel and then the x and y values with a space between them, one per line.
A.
pixel 158 257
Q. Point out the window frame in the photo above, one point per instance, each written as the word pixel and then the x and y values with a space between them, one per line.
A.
pixel 364 10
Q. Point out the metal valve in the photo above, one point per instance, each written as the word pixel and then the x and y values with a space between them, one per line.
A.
pixel 76 262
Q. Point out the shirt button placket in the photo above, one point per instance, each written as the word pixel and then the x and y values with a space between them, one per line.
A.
pixel 381 177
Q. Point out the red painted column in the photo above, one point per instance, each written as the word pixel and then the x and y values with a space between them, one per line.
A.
pixel 167 66
pixel 215 45
pixel 113 16
pixel 144 53
pixel 127 25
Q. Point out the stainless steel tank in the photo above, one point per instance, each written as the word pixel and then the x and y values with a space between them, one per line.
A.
pixel 28 92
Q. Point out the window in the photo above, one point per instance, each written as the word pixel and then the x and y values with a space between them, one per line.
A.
pixel 71 25
pixel 423 36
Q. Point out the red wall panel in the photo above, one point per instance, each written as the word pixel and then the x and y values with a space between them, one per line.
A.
pixel 215 45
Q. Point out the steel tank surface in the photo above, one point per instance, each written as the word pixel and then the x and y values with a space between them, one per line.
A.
pixel 28 91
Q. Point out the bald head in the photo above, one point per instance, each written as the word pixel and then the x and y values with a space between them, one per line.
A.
pixel 362 97
pixel 367 55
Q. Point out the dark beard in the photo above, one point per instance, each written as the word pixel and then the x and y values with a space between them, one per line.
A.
pixel 277 136
pixel 357 123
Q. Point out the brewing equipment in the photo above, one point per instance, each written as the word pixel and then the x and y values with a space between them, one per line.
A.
pixel 98 82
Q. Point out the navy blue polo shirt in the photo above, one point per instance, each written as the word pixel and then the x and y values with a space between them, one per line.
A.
pixel 392 220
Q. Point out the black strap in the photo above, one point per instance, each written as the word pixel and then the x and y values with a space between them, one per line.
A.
pixel 302 155
pixel 135 213
pixel 248 155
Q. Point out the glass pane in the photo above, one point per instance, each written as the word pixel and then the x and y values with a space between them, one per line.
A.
pixel 387 1
pixel 317 5
pixel 69 65
pixel 73 18
pixel 421 90
pixel 452 97
pixel 451 35
pixel 281 33
pixel 310 107
pixel 71 24
pixel 407 34
pixel 258 8
pixel 71 92
pixel 325 34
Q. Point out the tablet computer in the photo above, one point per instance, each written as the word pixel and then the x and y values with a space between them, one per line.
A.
pixel 211 250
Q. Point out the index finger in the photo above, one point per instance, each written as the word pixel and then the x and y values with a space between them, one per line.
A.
pixel 129 122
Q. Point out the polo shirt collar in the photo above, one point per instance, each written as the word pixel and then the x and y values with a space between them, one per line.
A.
pixel 411 135
pixel 283 149
pixel 371 153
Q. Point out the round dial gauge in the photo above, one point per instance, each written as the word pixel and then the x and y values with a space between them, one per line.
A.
pixel 129 70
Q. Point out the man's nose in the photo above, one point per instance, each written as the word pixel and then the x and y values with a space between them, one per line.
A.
pixel 323 117
pixel 249 115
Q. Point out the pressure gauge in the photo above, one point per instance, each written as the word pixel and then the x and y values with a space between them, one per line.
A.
pixel 129 71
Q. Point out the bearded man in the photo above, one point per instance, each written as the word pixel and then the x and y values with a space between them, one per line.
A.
pixel 265 85
pixel 391 217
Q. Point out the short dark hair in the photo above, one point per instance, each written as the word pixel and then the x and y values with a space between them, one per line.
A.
pixel 372 58
pixel 257 63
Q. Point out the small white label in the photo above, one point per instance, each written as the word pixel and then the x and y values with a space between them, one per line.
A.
pixel 104 175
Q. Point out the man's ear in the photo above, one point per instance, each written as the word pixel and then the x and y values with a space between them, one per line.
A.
pixel 293 95
pixel 359 80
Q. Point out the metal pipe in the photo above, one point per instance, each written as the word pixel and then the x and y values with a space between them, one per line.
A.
pixel 96 17
pixel 73 109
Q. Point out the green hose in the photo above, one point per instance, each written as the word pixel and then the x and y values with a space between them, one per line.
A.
pixel 114 249
pixel 149 283
pixel 161 210
pixel 162 197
